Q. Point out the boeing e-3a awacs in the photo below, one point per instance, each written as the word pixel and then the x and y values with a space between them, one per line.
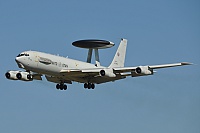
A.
pixel 64 71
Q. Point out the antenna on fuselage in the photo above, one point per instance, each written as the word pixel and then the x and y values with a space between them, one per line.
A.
pixel 93 44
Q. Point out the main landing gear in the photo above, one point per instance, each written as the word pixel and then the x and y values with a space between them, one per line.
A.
pixel 61 86
pixel 89 86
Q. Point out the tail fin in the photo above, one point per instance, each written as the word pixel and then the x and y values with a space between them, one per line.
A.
pixel 119 58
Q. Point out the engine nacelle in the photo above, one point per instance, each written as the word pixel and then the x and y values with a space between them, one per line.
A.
pixel 11 75
pixel 25 76
pixel 143 70
pixel 107 72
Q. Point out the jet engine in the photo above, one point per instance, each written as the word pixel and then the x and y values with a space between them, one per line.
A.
pixel 107 72
pixel 11 75
pixel 143 70
pixel 17 75
pixel 25 76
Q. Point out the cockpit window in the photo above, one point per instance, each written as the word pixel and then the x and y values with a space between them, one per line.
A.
pixel 23 54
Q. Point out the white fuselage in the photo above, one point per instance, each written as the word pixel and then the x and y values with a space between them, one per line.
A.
pixel 49 64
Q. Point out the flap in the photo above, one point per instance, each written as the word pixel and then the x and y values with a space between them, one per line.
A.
pixel 37 76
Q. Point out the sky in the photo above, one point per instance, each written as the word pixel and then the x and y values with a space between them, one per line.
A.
pixel 158 31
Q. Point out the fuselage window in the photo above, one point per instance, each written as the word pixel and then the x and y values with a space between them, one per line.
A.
pixel 64 65
pixel 54 63
pixel 20 55
pixel 23 55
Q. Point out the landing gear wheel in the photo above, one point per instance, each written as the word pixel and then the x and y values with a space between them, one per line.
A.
pixel 85 85
pixel 92 86
pixel 65 87
pixel 61 86
pixel 58 86
pixel 89 85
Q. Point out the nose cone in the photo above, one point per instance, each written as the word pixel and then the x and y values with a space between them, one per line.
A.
pixel 17 59
pixel 19 63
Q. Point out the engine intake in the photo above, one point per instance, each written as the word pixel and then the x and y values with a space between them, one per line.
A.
pixel 102 73
pixel 25 76
pixel 107 72
pixel 11 75
pixel 17 75
pixel 143 70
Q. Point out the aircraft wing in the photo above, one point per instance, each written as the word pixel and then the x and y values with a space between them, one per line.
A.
pixel 95 76
pixel 130 69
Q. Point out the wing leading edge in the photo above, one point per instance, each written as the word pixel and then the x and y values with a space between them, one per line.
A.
pixel 130 69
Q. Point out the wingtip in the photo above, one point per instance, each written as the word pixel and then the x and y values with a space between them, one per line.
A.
pixel 186 63
pixel 123 39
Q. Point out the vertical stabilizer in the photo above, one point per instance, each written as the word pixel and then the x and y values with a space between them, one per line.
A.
pixel 119 58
